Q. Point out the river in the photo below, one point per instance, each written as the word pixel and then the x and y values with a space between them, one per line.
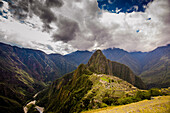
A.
pixel 40 109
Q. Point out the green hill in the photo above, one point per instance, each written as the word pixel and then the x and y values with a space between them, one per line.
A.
pixel 89 86
pixel 153 66
pixel 23 72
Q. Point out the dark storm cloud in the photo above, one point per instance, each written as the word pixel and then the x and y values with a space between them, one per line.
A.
pixel 24 8
pixel 67 30
pixel 123 5
pixel 44 13
pixel 1 4
pixel 47 27
pixel 54 3
pixel 19 9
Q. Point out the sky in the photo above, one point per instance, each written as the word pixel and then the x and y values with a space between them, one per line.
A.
pixel 64 26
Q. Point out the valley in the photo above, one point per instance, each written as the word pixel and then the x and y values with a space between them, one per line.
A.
pixel 97 83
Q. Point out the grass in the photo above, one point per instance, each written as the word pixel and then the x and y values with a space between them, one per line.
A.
pixel 104 79
pixel 9 105
pixel 24 77
pixel 160 104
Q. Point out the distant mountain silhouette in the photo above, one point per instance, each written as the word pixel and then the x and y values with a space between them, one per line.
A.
pixel 78 57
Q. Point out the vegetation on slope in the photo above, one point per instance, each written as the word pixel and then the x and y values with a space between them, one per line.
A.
pixel 99 64
pixel 23 72
pixel 66 93
pixel 9 105
pixel 157 105
pixel 153 67
pixel 83 89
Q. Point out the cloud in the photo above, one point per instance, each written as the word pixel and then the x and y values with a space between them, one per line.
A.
pixel 54 3
pixel 44 13
pixel 19 10
pixel 67 30
pixel 82 25
pixel 1 4
pixel 43 46
pixel 24 9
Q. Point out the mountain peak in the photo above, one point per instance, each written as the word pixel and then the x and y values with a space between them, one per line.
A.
pixel 97 59
pixel 98 63
pixel 98 53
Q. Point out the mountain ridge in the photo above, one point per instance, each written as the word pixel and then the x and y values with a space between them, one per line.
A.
pixel 79 90
pixel 23 72
pixel 143 64
pixel 99 63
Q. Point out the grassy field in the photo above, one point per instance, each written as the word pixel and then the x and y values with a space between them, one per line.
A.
pixel 160 104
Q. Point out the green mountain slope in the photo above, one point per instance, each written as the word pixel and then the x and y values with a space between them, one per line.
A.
pixel 152 67
pixel 10 106
pixel 124 57
pixel 88 85
pixel 99 63
pixel 23 72
pixel 156 71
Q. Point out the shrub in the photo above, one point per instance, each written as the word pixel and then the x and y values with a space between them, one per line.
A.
pixel 102 105
pixel 87 72
pixel 127 100
pixel 108 100
pixel 86 102
pixel 155 92
pixel 143 95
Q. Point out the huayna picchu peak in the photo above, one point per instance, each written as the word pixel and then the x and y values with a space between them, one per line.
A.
pixel 88 86
pixel 100 64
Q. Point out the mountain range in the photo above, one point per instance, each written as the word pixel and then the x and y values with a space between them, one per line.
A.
pixel 23 72
pixel 153 67
pixel 71 92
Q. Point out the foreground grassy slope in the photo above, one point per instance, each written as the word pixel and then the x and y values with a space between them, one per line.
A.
pixel 157 105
